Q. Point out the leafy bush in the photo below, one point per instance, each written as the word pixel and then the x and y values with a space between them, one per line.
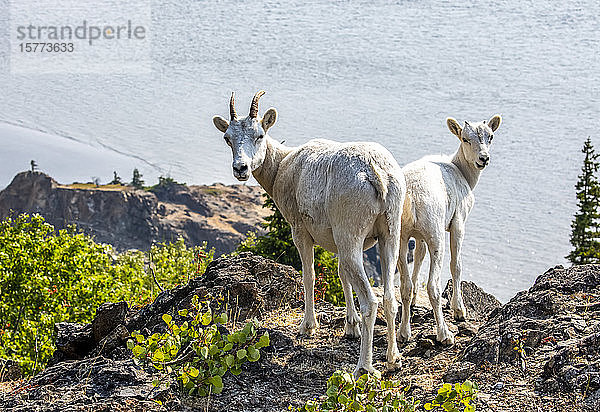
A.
pixel 367 393
pixel 277 244
pixel 459 397
pixel 196 352
pixel 372 394
pixel 48 277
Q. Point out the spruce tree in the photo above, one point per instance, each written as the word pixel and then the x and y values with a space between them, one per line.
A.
pixel 116 179
pixel 137 181
pixel 585 227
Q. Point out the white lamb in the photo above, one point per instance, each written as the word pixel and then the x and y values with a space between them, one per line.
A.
pixel 439 199
pixel 342 196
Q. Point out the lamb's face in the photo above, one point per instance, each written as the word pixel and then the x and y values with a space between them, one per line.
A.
pixel 476 139
pixel 246 137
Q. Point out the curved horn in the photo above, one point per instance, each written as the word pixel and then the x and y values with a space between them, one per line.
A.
pixel 232 112
pixel 254 105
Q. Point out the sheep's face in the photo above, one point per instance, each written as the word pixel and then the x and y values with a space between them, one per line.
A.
pixel 476 139
pixel 247 138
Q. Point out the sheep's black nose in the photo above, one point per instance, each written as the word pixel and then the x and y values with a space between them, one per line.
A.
pixel 485 158
pixel 241 169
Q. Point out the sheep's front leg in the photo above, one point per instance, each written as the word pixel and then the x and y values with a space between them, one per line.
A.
pixel 436 254
pixel 305 245
pixel 456 303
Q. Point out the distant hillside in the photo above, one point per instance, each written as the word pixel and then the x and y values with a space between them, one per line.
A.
pixel 129 218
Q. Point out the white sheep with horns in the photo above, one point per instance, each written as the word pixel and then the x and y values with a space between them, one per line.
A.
pixel 439 199
pixel 342 196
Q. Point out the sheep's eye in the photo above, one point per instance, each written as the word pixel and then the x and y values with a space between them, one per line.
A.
pixel 260 136
pixel 491 137
pixel 466 141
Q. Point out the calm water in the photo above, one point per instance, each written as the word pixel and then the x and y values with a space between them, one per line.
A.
pixel 386 71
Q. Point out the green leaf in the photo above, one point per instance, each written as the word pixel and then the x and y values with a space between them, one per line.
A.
pixel 155 383
pixel 428 406
pixel 229 359
pixel 183 312
pixel 241 354
pixel 130 344
pixel 158 356
pixel 253 354
pixel 204 352
pixel 137 350
pixel 194 372
pixel 216 381
pixel 214 349
pixel 167 318
pixel 206 318
pixel 263 341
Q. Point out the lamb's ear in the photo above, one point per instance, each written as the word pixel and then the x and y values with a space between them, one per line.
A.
pixel 454 126
pixel 494 122
pixel 220 123
pixel 269 119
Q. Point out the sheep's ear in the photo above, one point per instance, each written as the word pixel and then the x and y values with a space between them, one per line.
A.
pixel 494 122
pixel 269 119
pixel 454 126
pixel 220 123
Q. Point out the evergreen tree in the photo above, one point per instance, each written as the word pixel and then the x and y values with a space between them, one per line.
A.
pixel 137 181
pixel 586 224
pixel 116 179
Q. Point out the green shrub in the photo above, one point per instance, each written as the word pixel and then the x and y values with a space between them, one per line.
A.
pixel 455 398
pixel 277 244
pixel 48 277
pixel 195 352
pixel 373 394
pixel 367 393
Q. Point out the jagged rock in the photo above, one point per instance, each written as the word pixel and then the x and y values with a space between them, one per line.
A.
pixel 250 284
pixel 479 303
pixel 9 370
pixel 73 340
pixel 108 317
pixel 544 331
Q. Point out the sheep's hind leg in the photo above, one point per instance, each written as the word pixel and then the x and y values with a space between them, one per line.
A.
pixel 456 303
pixel 305 246
pixel 406 288
pixel 352 321
pixel 436 254
pixel 419 255
pixel 351 264
pixel 388 249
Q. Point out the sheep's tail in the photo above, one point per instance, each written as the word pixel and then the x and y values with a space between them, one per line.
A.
pixel 380 180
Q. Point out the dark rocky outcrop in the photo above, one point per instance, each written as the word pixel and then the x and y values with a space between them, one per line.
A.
pixel 556 322
pixel 550 333
pixel 128 218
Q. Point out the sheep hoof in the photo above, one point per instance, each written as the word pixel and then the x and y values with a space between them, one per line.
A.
pixel 308 328
pixel 404 334
pixel 459 314
pixel 351 330
pixel 393 360
pixel 361 370
pixel 447 339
